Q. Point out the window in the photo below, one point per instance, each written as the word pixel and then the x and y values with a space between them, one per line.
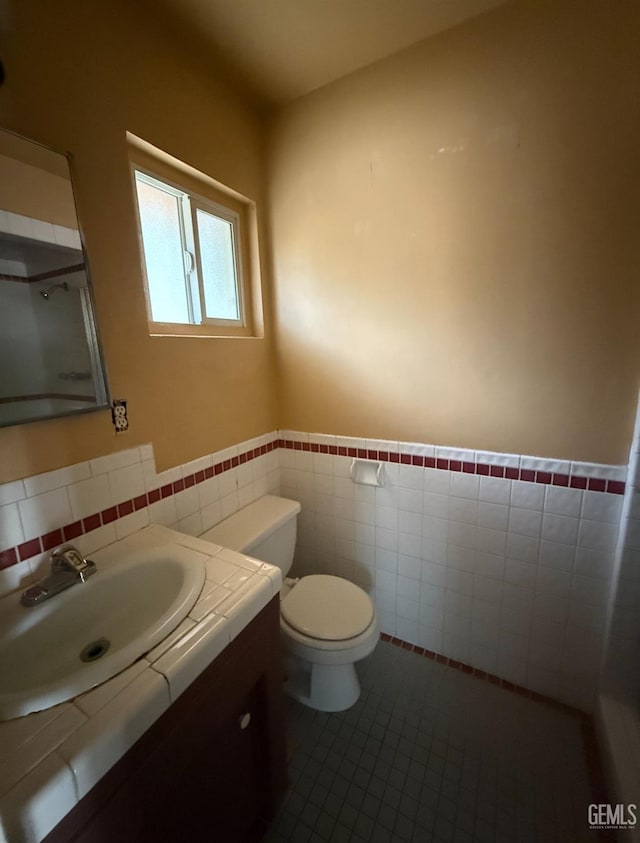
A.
pixel 193 262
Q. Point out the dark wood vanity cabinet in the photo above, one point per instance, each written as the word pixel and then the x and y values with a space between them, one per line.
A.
pixel 212 768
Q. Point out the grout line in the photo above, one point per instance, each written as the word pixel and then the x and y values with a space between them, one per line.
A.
pixel 593 758
pixel 68 532
pixel 26 550
pixel 546 478
pixel 488 677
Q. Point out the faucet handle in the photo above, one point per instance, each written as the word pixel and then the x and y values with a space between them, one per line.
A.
pixel 69 558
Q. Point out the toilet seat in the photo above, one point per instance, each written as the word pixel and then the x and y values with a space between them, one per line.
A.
pixel 327 608
pixel 322 651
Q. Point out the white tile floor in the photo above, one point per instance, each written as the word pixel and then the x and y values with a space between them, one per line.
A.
pixel 432 754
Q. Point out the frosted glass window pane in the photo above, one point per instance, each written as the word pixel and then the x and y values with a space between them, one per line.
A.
pixel 215 236
pixel 163 253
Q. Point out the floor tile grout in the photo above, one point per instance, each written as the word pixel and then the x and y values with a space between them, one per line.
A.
pixel 432 753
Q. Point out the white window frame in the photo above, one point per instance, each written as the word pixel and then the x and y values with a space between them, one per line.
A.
pixel 190 203
pixel 199 204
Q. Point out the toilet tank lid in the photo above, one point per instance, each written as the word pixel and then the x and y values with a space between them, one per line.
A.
pixel 252 524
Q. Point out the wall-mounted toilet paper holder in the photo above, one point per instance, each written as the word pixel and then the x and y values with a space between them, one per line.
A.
pixel 367 473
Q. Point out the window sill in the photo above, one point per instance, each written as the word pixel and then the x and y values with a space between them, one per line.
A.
pixel 167 329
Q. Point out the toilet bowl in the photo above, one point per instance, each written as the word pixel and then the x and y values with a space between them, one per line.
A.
pixel 327 623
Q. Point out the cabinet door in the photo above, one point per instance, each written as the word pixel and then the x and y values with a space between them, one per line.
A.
pixel 204 771
pixel 203 784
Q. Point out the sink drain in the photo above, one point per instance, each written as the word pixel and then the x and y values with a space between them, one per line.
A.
pixel 94 651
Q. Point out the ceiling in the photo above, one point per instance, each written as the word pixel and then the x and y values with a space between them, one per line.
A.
pixel 283 49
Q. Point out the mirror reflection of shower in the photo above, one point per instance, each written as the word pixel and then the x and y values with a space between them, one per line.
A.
pixel 50 363
pixel 46 293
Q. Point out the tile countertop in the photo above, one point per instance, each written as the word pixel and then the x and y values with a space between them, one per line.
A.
pixel 50 759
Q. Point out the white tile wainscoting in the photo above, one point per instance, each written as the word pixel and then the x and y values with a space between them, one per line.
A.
pixel 617 714
pixel 94 503
pixel 510 576
pixel 622 678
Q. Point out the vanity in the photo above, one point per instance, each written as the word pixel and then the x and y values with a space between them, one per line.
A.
pixel 186 743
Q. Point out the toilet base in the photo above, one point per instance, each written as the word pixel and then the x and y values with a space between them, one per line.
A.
pixel 323 687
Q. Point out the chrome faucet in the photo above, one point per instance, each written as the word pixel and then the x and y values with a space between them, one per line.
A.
pixel 68 567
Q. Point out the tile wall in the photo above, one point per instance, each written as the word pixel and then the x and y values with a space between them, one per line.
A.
pixel 617 714
pixel 94 503
pixel 499 561
pixel 621 676
pixel 20 226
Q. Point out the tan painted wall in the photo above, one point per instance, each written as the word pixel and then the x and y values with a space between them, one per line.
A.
pixel 456 239
pixel 78 76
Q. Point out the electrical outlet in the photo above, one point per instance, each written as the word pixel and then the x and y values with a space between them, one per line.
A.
pixel 119 415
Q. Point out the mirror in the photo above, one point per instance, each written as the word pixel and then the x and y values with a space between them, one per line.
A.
pixel 50 361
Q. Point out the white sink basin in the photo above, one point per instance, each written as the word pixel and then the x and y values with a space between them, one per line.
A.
pixel 131 603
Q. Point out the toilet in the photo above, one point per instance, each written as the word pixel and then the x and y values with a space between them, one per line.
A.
pixel 327 622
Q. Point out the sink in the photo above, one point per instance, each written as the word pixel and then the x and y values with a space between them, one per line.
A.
pixel 90 632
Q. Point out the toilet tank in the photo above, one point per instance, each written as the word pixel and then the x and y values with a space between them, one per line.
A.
pixel 265 529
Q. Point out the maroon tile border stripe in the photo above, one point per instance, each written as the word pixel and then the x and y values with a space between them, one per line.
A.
pixel 68 532
pixel 43 276
pixel 10 556
pixel 482 674
pixel 595 767
pixel 575 481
